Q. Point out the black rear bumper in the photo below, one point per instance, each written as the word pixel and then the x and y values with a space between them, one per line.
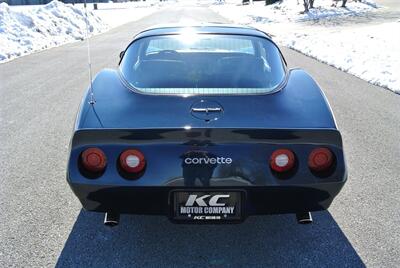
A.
pixel 157 200
pixel 166 169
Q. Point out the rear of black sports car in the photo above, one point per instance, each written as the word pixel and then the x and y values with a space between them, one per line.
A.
pixel 205 124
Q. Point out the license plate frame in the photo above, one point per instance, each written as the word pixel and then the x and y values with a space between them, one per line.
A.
pixel 207 206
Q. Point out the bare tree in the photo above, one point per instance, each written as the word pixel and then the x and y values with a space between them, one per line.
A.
pixel 308 4
pixel 305 5
pixel 334 4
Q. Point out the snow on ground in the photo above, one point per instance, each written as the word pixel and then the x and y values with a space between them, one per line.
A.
pixel 287 11
pixel 370 52
pixel 26 29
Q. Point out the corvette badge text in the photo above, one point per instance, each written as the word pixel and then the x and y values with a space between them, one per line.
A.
pixel 208 160
pixel 207 207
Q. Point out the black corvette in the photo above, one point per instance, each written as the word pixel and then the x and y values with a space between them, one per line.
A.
pixel 205 124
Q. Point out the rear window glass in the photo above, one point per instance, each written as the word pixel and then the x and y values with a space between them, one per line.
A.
pixel 225 44
pixel 191 63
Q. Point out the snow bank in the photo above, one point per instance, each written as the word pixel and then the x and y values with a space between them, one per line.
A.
pixel 26 29
pixel 370 52
pixel 41 27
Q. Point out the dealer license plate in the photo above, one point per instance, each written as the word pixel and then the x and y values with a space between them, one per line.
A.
pixel 207 205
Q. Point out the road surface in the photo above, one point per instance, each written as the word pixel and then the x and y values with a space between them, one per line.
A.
pixel 42 224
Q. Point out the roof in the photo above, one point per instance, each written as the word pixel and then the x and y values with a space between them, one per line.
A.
pixel 202 28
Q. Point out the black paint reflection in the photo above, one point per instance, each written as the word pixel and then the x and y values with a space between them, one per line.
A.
pixel 197 165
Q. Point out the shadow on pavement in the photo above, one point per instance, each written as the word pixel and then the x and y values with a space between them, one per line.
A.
pixel 259 241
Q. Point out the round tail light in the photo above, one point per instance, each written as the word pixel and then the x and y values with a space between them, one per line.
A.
pixel 93 160
pixel 320 159
pixel 132 161
pixel 282 160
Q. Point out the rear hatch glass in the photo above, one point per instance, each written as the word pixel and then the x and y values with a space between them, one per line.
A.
pixel 191 63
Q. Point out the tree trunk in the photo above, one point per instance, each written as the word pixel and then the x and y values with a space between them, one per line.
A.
pixel 305 5
pixel 344 3
pixel 311 3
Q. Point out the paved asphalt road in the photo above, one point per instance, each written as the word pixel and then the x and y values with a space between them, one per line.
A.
pixel 42 223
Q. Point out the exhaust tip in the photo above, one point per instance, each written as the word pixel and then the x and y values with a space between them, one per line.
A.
pixel 111 219
pixel 304 217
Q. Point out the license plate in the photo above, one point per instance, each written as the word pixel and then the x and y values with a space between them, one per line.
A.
pixel 207 206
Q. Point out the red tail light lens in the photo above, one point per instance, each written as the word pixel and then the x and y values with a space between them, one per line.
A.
pixel 282 160
pixel 93 160
pixel 320 159
pixel 132 161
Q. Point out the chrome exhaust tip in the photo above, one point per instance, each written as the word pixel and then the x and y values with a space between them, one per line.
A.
pixel 304 217
pixel 111 219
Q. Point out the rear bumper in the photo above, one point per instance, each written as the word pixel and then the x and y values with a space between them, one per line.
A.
pixel 167 149
pixel 157 200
